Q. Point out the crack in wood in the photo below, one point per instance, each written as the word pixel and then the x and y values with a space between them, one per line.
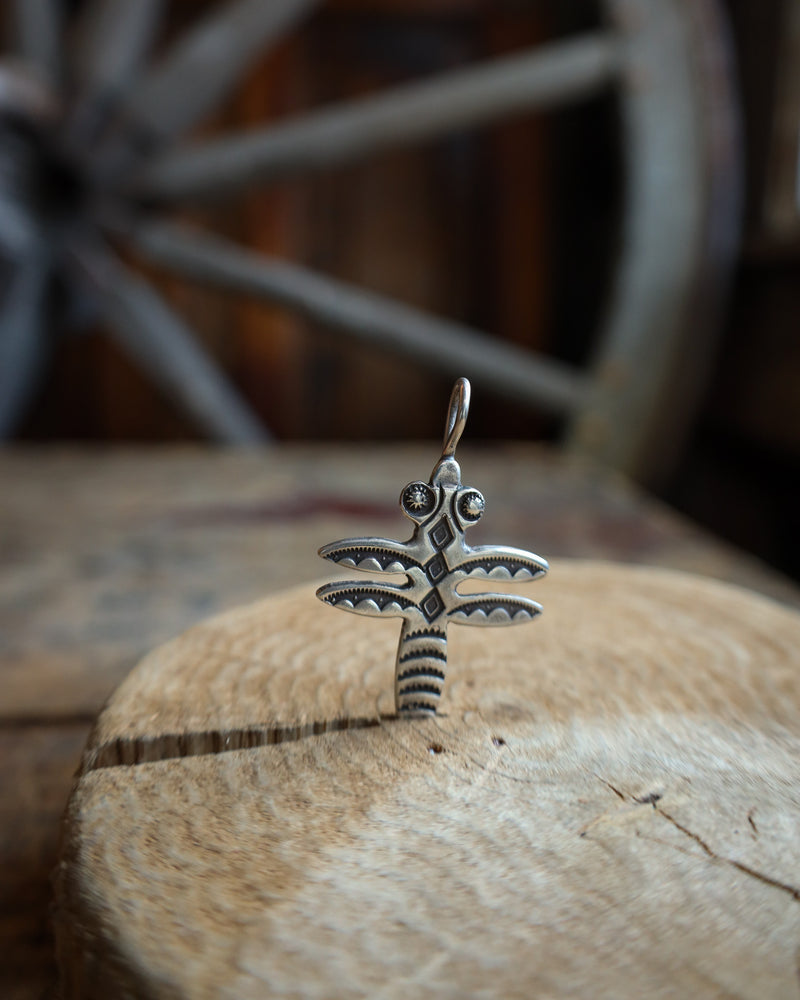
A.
pixel 130 751
pixel 650 799
pixel 654 798
pixel 739 865
pixel 616 791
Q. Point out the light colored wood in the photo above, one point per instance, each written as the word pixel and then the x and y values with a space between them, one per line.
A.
pixel 608 807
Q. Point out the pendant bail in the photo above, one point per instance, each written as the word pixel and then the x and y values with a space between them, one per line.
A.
pixel 456 417
pixel 447 471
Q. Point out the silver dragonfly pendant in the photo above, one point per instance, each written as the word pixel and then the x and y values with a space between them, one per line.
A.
pixel 436 559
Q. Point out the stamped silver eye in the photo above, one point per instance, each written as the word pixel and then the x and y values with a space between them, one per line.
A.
pixel 417 500
pixel 471 506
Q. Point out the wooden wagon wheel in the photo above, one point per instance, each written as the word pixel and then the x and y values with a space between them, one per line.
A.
pixel 91 88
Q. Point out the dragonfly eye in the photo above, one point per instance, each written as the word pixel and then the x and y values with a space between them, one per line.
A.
pixel 470 506
pixel 417 501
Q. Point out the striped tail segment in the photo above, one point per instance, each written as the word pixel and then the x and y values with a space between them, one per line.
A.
pixel 420 670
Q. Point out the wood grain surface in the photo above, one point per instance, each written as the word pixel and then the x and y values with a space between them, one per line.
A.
pixel 607 807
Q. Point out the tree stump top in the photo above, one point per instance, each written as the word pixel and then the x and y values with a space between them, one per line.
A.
pixel 607 806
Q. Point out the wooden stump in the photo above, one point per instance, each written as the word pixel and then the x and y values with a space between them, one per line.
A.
pixel 607 807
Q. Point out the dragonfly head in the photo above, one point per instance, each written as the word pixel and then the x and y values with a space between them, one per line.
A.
pixel 422 502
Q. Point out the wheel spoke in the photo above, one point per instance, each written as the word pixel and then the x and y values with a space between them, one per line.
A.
pixel 163 345
pixel 36 30
pixel 554 75
pixel 447 346
pixel 108 47
pixel 202 68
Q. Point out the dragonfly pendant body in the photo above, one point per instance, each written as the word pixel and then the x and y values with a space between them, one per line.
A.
pixel 436 559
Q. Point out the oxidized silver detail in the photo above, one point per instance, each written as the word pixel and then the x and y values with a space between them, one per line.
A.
pixel 435 560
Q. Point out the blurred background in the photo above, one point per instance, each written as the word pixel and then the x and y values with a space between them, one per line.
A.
pixel 638 214
pixel 292 224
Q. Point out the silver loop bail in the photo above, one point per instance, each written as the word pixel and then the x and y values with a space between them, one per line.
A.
pixel 456 417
